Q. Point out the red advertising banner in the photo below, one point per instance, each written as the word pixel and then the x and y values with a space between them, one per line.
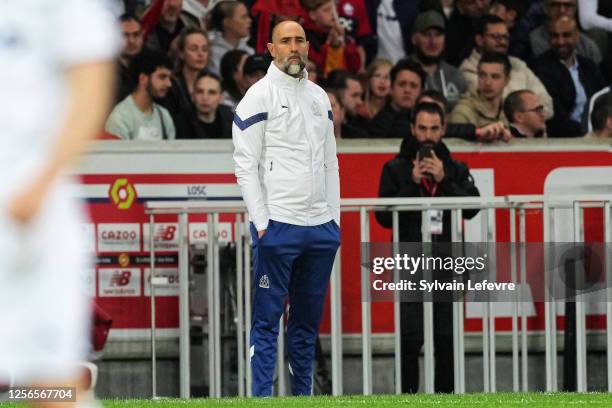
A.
pixel 116 182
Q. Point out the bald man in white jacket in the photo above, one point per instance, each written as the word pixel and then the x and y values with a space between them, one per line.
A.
pixel 286 165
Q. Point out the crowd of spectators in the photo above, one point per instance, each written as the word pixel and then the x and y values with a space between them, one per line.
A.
pixel 499 69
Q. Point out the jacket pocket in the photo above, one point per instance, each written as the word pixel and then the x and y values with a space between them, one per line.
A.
pixel 274 180
pixel 268 234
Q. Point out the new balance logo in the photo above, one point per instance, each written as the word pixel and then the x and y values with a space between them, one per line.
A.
pixel 264 282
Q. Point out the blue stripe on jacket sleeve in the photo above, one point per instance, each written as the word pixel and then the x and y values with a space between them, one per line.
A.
pixel 244 124
pixel 330 115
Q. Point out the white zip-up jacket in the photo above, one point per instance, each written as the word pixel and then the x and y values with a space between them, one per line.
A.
pixel 285 152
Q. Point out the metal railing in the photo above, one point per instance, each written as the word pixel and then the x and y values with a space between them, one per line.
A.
pixel 364 207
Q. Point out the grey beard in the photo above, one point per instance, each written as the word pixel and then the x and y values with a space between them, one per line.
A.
pixel 294 70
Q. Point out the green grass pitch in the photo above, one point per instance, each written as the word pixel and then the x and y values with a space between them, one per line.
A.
pixel 534 399
pixel 420 400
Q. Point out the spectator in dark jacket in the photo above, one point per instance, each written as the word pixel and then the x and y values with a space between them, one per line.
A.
pixel 569 79
pixel 350 92
pixel 400 178
pixel 540 41
pixel 525 114
pixel 408 175
pixel 133 41
pixel 511 12
pixel 407 80
pixel 192 47
pixel 209 119
pixel 234 84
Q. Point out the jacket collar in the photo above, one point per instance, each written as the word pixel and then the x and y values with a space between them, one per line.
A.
pixel 283 80
pixel 517 132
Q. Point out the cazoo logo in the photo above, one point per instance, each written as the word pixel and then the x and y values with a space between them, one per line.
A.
pixel 118 237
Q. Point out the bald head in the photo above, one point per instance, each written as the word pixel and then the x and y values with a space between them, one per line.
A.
pixel 289 48
pixel 287 28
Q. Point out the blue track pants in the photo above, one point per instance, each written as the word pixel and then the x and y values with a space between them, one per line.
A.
pixel 294 261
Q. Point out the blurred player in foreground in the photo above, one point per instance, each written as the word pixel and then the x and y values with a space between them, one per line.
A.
pixel 56 70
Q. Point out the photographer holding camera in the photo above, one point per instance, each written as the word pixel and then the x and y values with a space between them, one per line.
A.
pixel 425 168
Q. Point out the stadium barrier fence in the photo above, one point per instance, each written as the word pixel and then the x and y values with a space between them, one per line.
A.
pixel 517 207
